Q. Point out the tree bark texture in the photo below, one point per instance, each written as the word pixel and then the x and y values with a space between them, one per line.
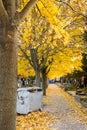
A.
pixel 37 74
pixel 44 82
pixel 8 76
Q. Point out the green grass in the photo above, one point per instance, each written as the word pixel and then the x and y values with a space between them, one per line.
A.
pixel 84 99
pixel 70 88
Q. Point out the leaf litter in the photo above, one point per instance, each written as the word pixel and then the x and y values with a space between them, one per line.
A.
pixel 43 120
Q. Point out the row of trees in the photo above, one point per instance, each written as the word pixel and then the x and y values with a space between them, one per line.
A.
pixel 62 15
pixel 46 44
pixel 39 46
pixel 79 77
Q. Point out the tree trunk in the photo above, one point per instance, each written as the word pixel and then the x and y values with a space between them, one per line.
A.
pixel 44 82
pixel 8 74
pixel 37 74
pixel 8 62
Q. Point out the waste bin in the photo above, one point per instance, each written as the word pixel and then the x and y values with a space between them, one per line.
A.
pixel 29 99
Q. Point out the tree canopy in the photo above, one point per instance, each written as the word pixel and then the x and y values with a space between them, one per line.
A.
pixel 66 20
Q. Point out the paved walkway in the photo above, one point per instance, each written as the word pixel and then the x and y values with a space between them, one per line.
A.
pixel 70 114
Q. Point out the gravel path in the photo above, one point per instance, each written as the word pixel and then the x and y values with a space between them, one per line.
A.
pixel 70 115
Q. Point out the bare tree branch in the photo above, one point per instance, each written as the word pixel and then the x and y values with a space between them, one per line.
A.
pixel 26 9
pixel 66 4
pixel 38 9
pixel 3 12
pixel 26 56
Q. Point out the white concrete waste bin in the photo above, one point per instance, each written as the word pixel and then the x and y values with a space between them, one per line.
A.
pixel 29 99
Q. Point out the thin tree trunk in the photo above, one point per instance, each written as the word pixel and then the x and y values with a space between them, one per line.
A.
pixel 8 84
pixel 44 83
pixel 37 73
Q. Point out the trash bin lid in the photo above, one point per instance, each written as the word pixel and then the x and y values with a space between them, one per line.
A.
pixel 37 88
pixel 30 89
pixel 23 89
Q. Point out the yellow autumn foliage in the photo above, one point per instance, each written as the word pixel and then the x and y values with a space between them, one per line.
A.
pixel 35 121
pixel 66 19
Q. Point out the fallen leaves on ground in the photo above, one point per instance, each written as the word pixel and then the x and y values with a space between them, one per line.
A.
pixel 77 110
pixel 44 120
pixel 35 121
